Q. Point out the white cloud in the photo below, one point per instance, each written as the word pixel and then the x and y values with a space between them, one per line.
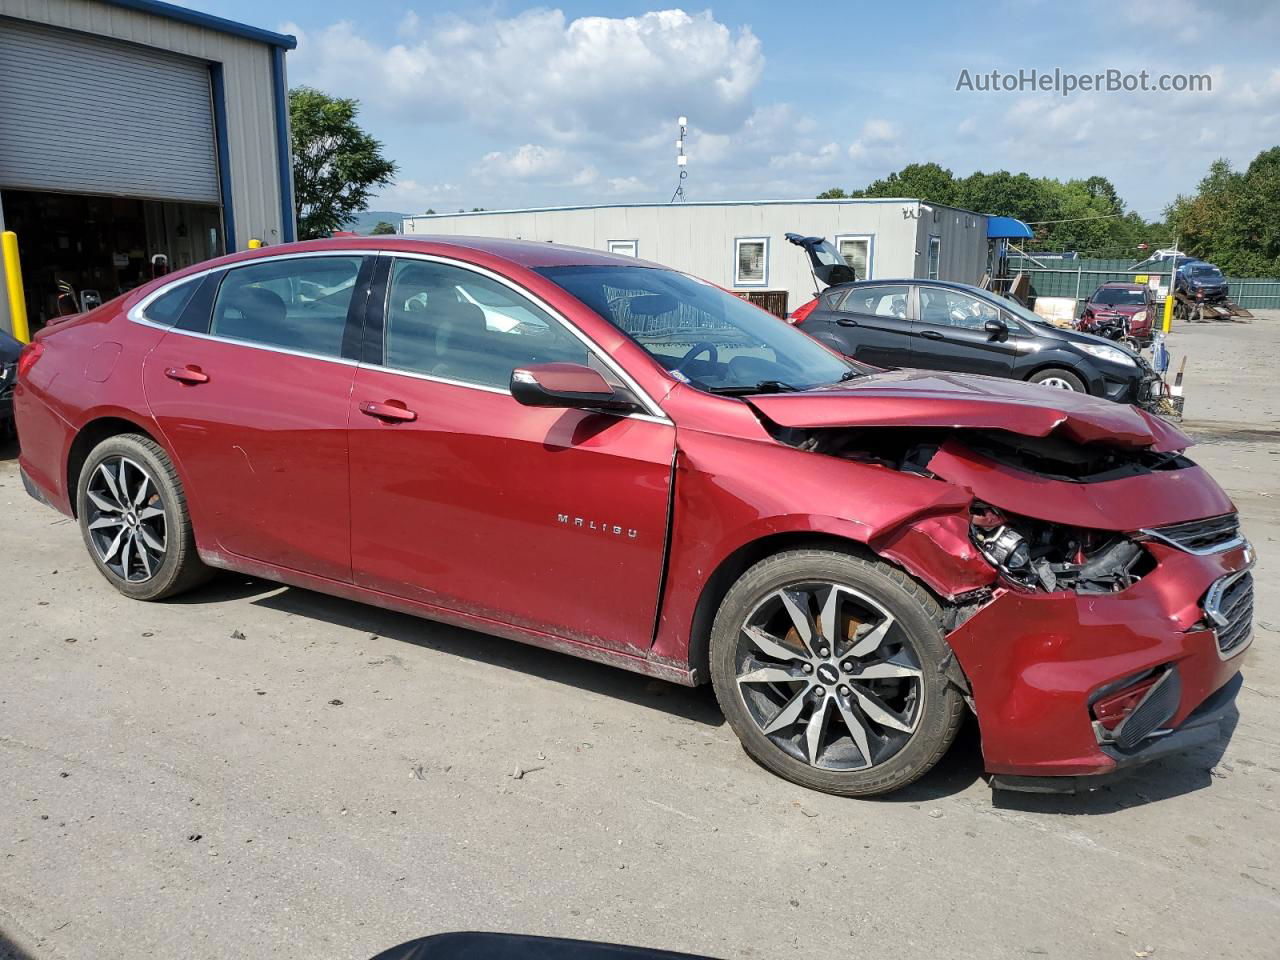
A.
pixel 542 76
pixel 413 196
pixel 529 162
pixel 824 158
pixel 877 142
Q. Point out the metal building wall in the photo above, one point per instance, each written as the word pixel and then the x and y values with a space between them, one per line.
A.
pixel 249 83
pixel 699 237
pixel 963 246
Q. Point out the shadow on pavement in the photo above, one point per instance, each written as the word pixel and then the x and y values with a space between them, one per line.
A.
pixel 1164 779
pixel 11 951
pixel 697 704
pixel 958 770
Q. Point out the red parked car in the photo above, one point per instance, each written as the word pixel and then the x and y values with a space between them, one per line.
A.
pixel 620 461
pixel 1119 310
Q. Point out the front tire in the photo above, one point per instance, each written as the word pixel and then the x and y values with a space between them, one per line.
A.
pixel 133 516
pixel 1058 379
pixel 830 669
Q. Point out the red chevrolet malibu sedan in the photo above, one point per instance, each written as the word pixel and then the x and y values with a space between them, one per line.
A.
pixel 620 461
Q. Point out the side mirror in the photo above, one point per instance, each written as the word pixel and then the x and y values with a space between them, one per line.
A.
pixel 996 329
pixel 567 385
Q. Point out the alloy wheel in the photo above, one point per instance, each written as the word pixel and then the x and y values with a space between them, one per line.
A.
pixel 1056 383
pixel 126 520
pixel 829 676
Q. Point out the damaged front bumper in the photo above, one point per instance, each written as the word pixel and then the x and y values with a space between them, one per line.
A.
pixel 1038 662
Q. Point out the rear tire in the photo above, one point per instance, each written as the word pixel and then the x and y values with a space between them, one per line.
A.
pixel 133 516
pixel 858 707
pixel 1058 379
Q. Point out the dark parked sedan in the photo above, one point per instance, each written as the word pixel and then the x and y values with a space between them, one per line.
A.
pixel 940 325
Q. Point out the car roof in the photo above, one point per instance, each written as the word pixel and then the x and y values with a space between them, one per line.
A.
pixel 889 281
pixel 1122 285
pixel 524 253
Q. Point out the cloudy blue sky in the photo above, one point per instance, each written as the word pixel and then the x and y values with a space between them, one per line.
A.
pixel 509 105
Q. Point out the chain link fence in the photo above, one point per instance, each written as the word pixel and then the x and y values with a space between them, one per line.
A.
pixel 1080 277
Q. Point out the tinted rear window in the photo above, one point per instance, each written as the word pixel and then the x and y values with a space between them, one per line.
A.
pixel 167 308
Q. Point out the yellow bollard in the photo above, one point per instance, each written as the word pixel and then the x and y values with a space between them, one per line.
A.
pixel 255 243
pixel 13 283
pixel 1168 314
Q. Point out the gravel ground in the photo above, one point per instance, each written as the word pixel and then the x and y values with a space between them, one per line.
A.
pixel 264 771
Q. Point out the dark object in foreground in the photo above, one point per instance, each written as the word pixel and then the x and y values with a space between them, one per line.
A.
pixel 515 946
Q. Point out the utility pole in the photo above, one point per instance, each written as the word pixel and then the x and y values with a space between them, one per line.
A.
pixel 681 160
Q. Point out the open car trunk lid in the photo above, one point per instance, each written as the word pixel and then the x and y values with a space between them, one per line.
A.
pixel 828 265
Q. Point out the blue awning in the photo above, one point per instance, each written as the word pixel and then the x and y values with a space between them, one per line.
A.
pixel 1007 228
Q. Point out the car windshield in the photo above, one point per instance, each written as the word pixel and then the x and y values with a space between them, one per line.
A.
pixel 701 334
pixel 1119 296
pixel 1205 270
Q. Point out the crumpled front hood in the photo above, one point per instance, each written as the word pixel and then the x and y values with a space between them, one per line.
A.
pixel 926 398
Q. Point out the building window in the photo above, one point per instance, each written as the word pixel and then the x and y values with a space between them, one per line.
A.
pixel 751 262
pixel 856 250
pixel 935 256
pixel 625 248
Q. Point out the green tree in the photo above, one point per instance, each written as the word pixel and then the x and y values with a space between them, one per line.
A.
pixel 336 164
pixel 382 228
pixel 920 181
pixel 1234 218
pixel 1086 215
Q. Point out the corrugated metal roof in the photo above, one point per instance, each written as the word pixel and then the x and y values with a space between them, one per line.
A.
pixel 691 203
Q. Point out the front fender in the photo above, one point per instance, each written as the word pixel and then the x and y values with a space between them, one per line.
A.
pixel 731 492
pixel 1063 360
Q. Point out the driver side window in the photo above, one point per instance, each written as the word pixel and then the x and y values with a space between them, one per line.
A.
pixel 955 309
pixel 456 324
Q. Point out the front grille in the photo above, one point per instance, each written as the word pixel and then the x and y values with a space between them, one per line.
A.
pixel 1229 604
pixel 1201 536
pixel 1152 713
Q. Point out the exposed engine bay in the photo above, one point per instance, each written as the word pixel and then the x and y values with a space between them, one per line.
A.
pixel 1045 555
pixel 1029 553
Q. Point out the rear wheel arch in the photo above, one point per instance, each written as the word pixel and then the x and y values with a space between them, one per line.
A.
pixel 88 437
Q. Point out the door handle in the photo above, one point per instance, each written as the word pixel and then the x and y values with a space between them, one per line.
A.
pixel 188 375
pixel 392 410
pixel 931 334
pixel 846 321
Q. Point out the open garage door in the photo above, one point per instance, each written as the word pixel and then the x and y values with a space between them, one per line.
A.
pixel 82 114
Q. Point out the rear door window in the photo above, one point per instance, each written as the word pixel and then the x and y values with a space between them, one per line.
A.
pixel 297 304
pixel 889 300
pixel 167 308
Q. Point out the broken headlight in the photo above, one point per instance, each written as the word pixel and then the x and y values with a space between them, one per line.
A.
pixel 1049 556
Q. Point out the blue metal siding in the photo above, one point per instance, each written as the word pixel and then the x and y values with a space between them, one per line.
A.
pixel 283 153
pixel 219 92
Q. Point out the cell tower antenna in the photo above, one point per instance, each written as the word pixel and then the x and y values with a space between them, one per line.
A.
pixel 682 160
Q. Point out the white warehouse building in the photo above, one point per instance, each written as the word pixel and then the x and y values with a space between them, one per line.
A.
pixel 741 245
